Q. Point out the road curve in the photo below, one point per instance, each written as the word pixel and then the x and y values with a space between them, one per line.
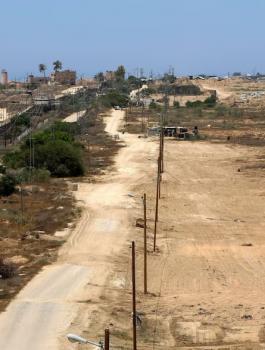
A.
pixel 45 310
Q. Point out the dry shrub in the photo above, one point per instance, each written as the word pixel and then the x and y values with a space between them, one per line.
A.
pixel 6 270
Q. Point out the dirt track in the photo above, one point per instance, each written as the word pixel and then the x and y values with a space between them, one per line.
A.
pixel 206 282
pixel 42 313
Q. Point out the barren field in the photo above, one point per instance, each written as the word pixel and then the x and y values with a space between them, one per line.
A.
pixel 206 279
pixel 238 91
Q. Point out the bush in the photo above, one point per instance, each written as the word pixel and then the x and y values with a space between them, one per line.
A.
pixel 210 101
pixel 114 98
pixel 2 169
pixel 155 106
pixel 55 151
pixel 176 104
pixel 221 110
pixel 194 104
pixel 6 271
pixel 60 158
pixel 7 185
pixel 26 175
pixel 14 160
pixel 147 92
pixel 23 120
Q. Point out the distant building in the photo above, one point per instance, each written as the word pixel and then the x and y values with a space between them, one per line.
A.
pixel 44 100
pixel 37 80
pixel 65 77
pixel 89 83
pixel 4 77
pixel 3 115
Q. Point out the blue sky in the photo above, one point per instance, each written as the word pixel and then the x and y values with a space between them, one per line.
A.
pixel 193 36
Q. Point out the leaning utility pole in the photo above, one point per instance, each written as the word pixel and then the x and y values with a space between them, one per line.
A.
pixel 134 297
pixel 145 246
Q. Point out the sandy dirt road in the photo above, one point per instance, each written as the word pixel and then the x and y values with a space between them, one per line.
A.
pixel 207 279
pixel 222 92
pixel 72 118
pixel 50 304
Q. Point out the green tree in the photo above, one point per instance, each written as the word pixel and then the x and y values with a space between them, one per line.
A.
pixel 7 185
pixel 60 158
pixel 57 65
pixel 210 101
pixel 120 73
pixel 113 98
pixel 176 104
pixel 99 77
pixel 155 106
pixel 42 68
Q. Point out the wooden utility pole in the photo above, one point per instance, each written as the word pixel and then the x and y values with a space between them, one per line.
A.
pixel 134 297
pixel 145 246
pixel 21 204
pixel 142 118
pixel 157 198
pixel 106 342
pixel 162 150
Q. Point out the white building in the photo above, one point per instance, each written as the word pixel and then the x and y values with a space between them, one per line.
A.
pixel 3 115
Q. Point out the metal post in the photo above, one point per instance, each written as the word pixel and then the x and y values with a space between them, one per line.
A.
pixel 145 247
pixel 134 297
pixel 106 342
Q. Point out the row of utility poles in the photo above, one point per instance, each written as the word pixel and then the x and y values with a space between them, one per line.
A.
pixel 135 317
pixel 160 170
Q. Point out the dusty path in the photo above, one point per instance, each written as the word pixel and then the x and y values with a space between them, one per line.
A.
pixel 42 313
pixel 207 279
pixel 74 117
pixel 221 91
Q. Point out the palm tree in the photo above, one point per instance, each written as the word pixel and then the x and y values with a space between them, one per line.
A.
pixel 57 65
pixel 42 68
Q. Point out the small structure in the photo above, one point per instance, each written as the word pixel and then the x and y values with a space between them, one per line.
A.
pixel 3 115
pixel 182 133
pixel 44 100
pixel 170 131
pixel 37 80
pixel 4 77
pixel 178 132
pixel 154 131
pixel 65 77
